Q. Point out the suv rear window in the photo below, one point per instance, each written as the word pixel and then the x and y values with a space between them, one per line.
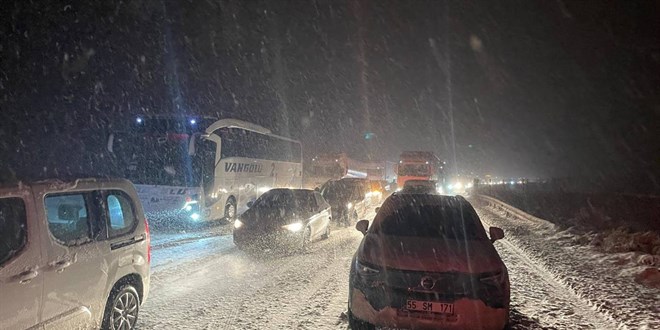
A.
pixel 13 227
pixel 68 218
pixel 121 213
pixel 451 221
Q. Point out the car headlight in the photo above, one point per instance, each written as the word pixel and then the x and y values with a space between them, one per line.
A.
pixel 497 279
pixel 238 224
pixel 349 205
pixel 294 227
pixel 367 273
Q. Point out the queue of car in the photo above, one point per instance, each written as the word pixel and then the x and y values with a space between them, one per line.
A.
pixel 76 254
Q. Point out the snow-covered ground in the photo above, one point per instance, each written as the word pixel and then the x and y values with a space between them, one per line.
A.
pixel 213 285
pixel 582 272
pixel 201 281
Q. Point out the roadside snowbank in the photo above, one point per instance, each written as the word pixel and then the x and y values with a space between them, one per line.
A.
pixel 613 283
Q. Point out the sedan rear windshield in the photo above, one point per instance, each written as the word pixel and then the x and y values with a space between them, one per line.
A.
pixel 441 221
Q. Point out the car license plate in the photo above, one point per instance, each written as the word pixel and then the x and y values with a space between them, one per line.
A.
pixel 429 306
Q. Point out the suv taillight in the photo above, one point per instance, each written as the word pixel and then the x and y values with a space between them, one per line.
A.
pixel 148 239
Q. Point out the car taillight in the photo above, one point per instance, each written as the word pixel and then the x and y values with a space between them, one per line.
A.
pixel 148 239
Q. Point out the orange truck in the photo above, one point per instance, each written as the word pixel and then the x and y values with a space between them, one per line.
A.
pixel 420 165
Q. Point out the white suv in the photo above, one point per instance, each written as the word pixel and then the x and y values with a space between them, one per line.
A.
pixel 73 255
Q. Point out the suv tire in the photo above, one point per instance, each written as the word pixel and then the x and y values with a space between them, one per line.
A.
pixel 123 306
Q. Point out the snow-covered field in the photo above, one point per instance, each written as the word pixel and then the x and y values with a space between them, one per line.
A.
pixel 596 279
pixel 201 281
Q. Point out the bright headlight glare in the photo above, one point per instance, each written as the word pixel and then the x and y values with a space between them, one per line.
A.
pixel 294 227
pixel 238 224
pixel 349 205
pixel 194 216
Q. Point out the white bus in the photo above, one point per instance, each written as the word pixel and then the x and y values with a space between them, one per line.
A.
pixel 184 172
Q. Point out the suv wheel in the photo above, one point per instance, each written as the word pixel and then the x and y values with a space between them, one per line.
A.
pixel 121 311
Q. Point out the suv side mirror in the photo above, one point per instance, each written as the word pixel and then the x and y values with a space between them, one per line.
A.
pixel 495 233
pixel 362 226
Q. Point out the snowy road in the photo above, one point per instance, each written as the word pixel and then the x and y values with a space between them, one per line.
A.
pixel 201 281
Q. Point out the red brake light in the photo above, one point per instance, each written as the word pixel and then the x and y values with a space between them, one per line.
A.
pixel 148 239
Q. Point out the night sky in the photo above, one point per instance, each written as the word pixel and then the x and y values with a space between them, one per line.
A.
pixel 508 88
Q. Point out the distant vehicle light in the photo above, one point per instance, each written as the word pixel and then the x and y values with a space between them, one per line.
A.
pixel 139 120
pixel 193 122
pixel 294 227
pixel 349 205
pixel 458 185
pixel 470 185
pixel 238 224
pixel 194 216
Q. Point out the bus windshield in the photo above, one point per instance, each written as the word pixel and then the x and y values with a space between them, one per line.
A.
pixel 154 151
pixel 156 160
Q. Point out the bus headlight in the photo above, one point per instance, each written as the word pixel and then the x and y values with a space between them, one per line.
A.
pixel 293 227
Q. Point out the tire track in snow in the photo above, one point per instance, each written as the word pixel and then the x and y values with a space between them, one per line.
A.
pixel 233 290
pixel 607 287
pixel 582 308
pixel 298 298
